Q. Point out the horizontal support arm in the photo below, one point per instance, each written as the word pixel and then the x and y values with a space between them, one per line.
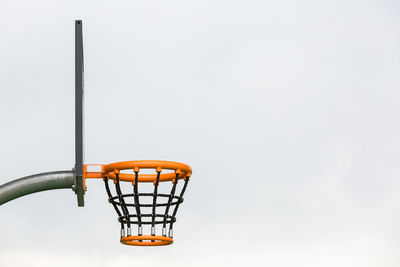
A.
pixel 36 183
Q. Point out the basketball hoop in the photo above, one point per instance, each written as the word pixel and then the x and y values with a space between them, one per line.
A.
pixel 129 205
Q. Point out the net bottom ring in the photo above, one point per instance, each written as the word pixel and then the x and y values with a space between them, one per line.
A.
pixel 134 240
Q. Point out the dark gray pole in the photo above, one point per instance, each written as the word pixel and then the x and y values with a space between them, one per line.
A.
pixel 79 81
pixel 35 183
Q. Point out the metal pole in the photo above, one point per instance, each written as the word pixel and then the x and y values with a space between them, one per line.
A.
pixel 36 183
pixel 79 84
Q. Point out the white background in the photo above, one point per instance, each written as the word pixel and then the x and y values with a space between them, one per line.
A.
pixel 287 112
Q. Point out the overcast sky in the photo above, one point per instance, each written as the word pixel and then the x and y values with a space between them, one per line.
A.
pixel 287 112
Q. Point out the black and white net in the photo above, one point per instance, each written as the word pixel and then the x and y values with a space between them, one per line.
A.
pixel 146 207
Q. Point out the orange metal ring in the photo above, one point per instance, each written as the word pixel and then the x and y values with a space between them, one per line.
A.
pixel 134 240
pixel 184 170
pixel 103 171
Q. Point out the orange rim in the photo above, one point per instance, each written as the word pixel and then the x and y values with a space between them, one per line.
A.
pixel 146 240
pixel 103 171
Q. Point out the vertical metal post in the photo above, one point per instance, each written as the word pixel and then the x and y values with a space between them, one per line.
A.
pixel 79 82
